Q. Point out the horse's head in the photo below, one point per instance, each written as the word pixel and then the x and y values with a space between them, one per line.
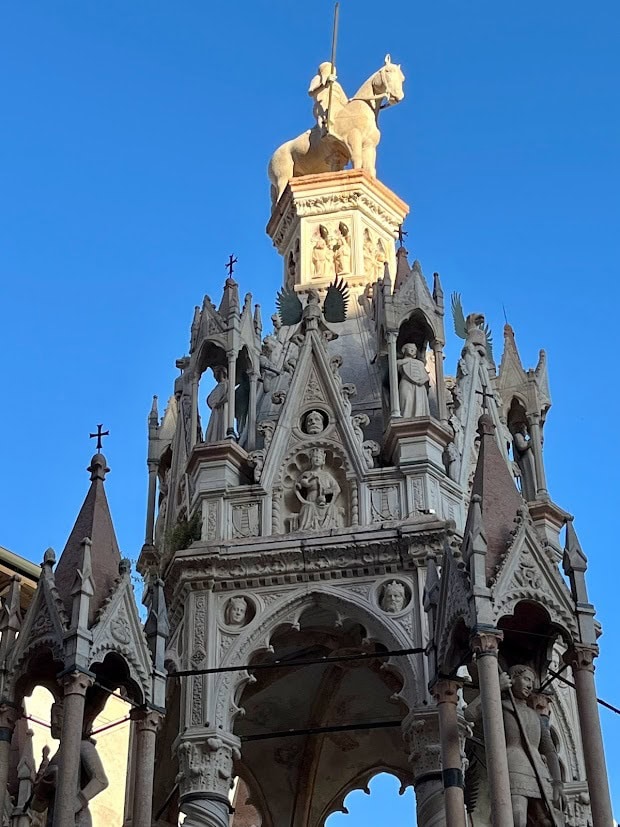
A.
pixel 389 81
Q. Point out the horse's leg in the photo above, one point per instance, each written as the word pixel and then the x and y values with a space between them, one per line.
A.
pixel 369 159
pixel 354 142
pixel 280 170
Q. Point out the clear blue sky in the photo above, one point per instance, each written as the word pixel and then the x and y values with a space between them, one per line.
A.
pixel 133 149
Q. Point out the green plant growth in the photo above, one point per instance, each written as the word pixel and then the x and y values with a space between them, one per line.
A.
pixel 184 533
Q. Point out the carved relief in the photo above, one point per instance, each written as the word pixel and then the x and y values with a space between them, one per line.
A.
pixel 322 254
pixel 245 519
pixel 314 422
pixel 314 391
pixel 211 527
pixel 318 491
pixel 206 766
pixel 331 250
pixel 266 429
pixel 385 503
pixel 238 611
pixel 394 596
pixel 120 629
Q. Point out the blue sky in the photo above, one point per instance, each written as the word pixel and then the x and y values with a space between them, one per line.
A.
pixel 133 151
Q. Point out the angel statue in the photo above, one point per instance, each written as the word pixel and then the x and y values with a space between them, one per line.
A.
pixel 290 308
pixel 472 328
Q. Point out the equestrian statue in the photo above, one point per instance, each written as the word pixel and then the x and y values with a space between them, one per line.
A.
pixel 346 129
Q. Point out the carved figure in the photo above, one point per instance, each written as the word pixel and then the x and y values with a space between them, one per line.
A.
pixel 257 461
pixel 342 250
pixel 217 401
pixel 236 612
pixel 291 310
pixel 318 492
pixel 533 764
pixel 353 136
pixel 322 256
pixel 314 423
pixel 524 457
pixel 452 460
pixel 92 778
pixel 380 258
pixel 473 329
pixel 393 597
pixel 413 384
pixel 369 255
pixel 319 91
pixel 268 368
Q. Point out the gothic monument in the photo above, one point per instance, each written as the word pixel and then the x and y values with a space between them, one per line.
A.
pixel 361 561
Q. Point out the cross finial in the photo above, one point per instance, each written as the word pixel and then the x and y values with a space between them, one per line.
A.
pixel 401 235
pixel 483 393
pixel 230 265
pixel 100 433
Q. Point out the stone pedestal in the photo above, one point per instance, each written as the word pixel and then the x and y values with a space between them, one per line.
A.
pixel 336 224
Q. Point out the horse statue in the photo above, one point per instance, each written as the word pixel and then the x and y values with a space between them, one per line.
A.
pixel 348 133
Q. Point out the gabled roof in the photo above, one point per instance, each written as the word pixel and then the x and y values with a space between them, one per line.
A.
pixel 95 522
pixel 499 497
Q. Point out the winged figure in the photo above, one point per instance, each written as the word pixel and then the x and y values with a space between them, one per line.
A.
pixel 472 328
pixel 290 308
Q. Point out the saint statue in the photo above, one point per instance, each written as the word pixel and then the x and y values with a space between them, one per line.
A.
pixel 318 492
pixel 524 457
pixel 236 611
pixel 92 778
pixel 322 255
pixel 342 250
pixel 413 384
pixel 217 400
pixel 393 597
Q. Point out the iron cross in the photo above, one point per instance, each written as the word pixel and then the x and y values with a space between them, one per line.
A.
pixel 483 393
pixel 230 264
pixel 100 433
pixel 401 235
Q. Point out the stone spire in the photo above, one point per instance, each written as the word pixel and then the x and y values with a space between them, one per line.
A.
pixel 93 521
pixel 494 494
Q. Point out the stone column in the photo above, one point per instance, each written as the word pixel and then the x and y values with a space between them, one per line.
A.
pixel 147 722
pixel 440 382
pixel 232 384
pixel 75 685
pixel 445 693
pixel 485 646
pixel 393 374
pixel 194 411
pixel 150 503
pixel 251 432
pixel 581 659
pixel 421 733
pixel 205 779
pixel 9 715
pixel 536 441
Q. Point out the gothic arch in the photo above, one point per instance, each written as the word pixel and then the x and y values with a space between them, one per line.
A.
pixel 287 612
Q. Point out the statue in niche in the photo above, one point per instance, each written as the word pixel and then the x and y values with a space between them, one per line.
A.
pixel 380 259
pixel 342 250
pixel 92 777
pixel 322 255
pixel 393 597
pixel 524 457
pixel 162 507
pixel 369 256
pixel 452 461
pixel 268 368
pixel 314 423
pixel 533 764
pixel 318 491
pixel 217 401
pixel 413 384
pixel 236 612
